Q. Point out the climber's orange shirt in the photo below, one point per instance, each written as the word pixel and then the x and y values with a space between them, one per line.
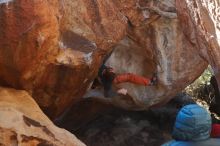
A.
pixel 129 77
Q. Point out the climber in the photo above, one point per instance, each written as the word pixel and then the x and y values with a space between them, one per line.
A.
pixel 192 128
pixel 109 77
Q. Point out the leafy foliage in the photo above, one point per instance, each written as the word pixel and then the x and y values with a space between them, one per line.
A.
pixel 201 90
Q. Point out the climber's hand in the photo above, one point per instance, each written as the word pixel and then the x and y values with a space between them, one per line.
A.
pixel 122 91
pixel 153 80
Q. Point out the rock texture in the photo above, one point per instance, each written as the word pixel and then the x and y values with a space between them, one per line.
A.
pixel 53 48
pixel 156 44
pixel 23 123
pixel 200 20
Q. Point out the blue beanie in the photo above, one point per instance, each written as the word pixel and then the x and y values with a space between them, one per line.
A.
pixel 193 123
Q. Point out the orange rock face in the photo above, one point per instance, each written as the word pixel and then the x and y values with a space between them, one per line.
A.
pixel 200 20
pixel 23 123
pixel 53 48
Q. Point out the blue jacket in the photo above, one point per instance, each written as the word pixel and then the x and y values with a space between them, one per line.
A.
pixel 192 128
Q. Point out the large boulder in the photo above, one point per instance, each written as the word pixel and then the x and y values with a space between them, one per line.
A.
pixel 155 43
pixel 54 48
pixel 200 21
pixel 23 123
